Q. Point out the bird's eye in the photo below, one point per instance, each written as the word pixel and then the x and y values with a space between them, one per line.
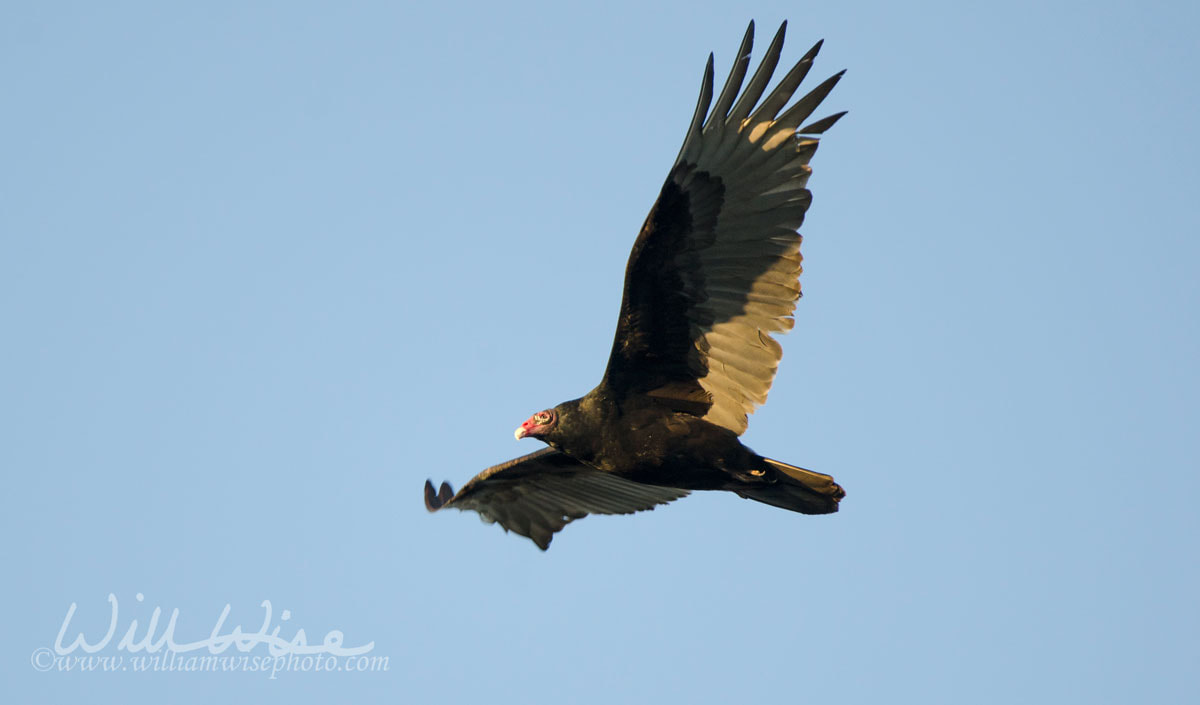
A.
pixel 542 417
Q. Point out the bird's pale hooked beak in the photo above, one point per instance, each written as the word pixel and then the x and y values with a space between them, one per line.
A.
pixel 520 432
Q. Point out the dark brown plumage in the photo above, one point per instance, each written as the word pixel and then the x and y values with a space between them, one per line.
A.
pixel 713 274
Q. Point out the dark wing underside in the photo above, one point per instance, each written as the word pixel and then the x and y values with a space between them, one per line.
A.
pixel 715 270
pixel 538 494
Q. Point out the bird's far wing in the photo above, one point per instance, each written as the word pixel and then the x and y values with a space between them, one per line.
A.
pixel 715 270
pixel 538 494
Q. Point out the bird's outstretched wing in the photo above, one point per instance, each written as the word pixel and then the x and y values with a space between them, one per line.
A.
pixel 715 270
pixel 538 494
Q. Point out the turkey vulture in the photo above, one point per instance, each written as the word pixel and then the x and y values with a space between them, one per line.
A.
pixel 713 274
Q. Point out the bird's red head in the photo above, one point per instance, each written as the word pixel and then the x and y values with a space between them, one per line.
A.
pixel 537 424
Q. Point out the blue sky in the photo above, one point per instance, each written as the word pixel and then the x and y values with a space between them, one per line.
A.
pixel 264 268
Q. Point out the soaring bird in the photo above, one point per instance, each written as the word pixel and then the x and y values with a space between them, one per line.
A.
pixel 713 275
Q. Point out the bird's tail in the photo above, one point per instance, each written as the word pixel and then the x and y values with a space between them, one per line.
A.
pixel 796 489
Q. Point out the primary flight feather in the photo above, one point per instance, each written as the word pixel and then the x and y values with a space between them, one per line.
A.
pixel 714 273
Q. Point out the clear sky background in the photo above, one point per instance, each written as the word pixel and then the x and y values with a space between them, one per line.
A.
pixel 266 267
